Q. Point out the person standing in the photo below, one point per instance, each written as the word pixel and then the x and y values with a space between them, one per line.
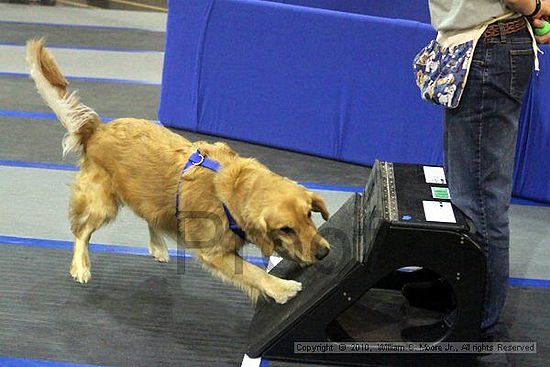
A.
pixel 479 69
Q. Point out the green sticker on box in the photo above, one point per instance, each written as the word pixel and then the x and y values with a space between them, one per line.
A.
pixel 441 193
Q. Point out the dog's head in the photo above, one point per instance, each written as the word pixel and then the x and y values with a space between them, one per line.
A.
pixel 285 223
pixel 275 212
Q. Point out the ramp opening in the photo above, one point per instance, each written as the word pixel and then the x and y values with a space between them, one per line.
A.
pixel 384 311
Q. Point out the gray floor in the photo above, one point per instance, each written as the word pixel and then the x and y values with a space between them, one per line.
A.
pixel 146 65
pixel 66 36
pixel 529 256
pixel 127 47
pixel 148 21
pixel 49 214
pixel 136 312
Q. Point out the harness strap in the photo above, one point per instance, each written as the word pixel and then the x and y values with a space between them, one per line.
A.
pixel 233 224
pixel 197 159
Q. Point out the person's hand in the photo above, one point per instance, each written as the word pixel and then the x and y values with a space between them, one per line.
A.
pixel 539 23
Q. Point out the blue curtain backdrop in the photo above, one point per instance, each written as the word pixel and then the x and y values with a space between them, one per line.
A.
pixel 326 79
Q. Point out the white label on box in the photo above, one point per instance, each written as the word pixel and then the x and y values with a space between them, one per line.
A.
pixel 434 175
pixel 439 211
pixel 251 362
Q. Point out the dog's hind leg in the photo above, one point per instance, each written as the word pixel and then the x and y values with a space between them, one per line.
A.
pixel 157 246
pixel 92 204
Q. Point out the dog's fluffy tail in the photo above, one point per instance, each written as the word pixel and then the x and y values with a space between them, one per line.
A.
pixel 79 120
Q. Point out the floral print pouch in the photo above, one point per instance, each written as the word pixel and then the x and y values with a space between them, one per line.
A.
pixel 441 72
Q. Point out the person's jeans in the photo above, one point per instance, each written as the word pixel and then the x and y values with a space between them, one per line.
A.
pixel 480 142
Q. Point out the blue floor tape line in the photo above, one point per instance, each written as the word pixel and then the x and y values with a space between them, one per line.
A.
pixel 23 362
pixel 52 166
pixel 99 247
pixel 112 28
pixel 87 48
pixel 530 283
pixel 68 167
pixel 88 79
pixel 38 115
pixel 360 189
pixel 29 115
pixel 129 250
pixel 309 185
pixel 341 188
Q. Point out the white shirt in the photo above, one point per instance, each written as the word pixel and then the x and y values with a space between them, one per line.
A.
pixel 455 15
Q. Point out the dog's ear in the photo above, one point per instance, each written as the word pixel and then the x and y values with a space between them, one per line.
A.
pixel 267 248
pixel 261 223
pixel 266 245
pixel 318 205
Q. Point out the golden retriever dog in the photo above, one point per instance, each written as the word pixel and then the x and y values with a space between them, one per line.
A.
pixel 138 163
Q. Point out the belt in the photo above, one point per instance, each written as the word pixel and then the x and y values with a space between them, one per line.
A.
pixel 508 27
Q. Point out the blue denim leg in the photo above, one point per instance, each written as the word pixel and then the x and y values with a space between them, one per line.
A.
pixel 480 140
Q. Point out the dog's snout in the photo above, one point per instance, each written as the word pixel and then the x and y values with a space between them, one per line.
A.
pixel 321 253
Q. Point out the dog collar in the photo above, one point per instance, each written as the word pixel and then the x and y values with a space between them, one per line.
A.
pixel 197 159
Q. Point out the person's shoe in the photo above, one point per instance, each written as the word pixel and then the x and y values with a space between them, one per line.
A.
pixel 435 295
pixel 425 333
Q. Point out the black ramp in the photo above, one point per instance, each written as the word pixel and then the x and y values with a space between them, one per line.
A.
pixel 526 319
pixel 372 236
pixel 353 294
pixel 318 281
pixel 134 312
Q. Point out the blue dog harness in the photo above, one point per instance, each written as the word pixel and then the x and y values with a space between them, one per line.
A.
pixel 197 159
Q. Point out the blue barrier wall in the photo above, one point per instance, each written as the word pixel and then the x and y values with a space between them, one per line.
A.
pixel 399 9
pixel 330 83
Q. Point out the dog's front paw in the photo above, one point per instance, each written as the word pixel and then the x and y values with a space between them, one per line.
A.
pixel 159 255
pixel 285 290
pixel 80 274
